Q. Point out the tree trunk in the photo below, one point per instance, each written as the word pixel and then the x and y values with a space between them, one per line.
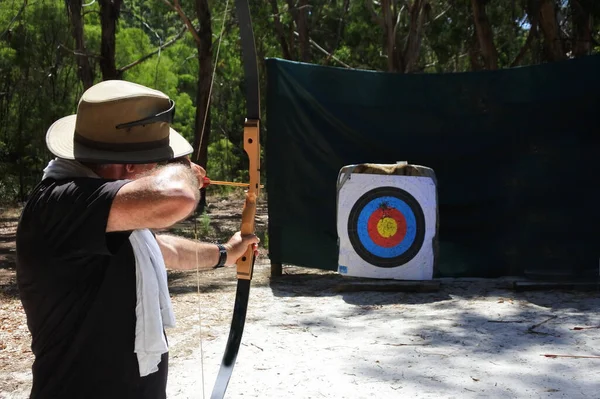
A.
pixel 280 32
pixel 485 35
pixel 527 46
pixel 21 150
pixel 401 59
pixel 205 76
pixel 84 70
pixel 474 53
pixel 299 12
pixel 304 31
pixel 394 59
pixel 532 15
pixel 205 53
pixel 109 15
pixel 582 27
pixel 553 45
pixel 417 12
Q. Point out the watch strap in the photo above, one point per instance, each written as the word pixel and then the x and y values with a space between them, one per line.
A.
pixel 222 256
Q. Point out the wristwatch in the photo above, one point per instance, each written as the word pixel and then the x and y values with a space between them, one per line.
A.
pixel 222 256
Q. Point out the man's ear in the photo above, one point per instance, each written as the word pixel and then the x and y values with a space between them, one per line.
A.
pixel 184 160
pixel 133 171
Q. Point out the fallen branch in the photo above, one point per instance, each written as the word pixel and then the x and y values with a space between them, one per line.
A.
pixel 530 329
pixel 571 356
pixel 585 328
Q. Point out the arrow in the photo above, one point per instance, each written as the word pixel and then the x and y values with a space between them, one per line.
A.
pixel 207 182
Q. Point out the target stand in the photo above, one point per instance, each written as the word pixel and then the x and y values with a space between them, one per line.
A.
pixel 387 221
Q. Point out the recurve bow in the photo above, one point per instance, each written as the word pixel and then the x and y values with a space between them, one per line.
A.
pixel 245 265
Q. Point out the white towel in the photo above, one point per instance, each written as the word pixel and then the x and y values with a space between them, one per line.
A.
pixel 59 168
pixel 153 309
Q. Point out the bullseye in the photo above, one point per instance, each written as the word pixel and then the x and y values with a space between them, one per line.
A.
pixel 387 227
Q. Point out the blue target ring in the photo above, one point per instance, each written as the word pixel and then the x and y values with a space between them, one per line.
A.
pixel 386 198
pixel 365 238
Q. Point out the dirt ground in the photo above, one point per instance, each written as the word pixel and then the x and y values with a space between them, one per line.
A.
pixel 304 338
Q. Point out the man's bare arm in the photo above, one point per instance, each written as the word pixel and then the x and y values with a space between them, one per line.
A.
pixel 158 200
pixel 184 254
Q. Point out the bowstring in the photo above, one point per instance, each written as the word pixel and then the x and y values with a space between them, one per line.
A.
pixel 212 81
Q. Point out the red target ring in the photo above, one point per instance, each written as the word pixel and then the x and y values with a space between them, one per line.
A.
pixel 387 227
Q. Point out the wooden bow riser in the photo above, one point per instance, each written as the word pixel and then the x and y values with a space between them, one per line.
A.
pixel 245 264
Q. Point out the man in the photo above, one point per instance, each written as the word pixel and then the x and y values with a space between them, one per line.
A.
pixel 90 272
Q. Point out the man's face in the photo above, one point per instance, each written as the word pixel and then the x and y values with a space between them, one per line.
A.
pixel 134 171
pixel 125 171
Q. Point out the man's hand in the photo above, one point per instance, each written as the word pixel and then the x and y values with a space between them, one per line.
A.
pixel 237 246
pixel 197 169
pixel 200 173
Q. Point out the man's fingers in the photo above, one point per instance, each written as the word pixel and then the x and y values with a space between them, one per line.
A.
pixel 251 239
pixel 200 174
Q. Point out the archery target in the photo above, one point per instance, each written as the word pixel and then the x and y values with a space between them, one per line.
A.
pixel 386 225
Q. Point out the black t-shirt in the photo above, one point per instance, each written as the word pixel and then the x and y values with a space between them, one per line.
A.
pixel 77 285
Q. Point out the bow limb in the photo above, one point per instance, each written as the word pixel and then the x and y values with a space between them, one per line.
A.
pixel 245 265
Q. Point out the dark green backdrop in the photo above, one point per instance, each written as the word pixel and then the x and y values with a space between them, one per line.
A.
pixel 516 154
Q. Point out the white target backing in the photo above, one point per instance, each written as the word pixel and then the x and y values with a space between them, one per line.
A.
pixel 386 226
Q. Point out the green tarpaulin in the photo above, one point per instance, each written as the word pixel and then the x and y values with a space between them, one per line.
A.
pixel 515 153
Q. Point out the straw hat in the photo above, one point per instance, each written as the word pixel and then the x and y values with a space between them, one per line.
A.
pixel 118 122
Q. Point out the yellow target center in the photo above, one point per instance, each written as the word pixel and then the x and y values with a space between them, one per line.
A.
pixel 387 227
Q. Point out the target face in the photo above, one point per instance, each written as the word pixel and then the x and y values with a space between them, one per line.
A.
pixel 386 227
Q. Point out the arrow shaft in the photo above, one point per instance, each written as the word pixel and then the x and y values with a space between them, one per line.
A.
pixel 230 183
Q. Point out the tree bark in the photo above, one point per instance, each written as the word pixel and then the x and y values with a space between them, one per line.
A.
pixel 109 15
pixel 474 53
pixel 582 27
pixel 394 61
pixel 299 12
pixel 553 45
pixel 205 76
pixel 532 15
pixel 527 46
pixel 418 13
pixel 304 31
pixel 279 31
pixel 386 21
pixel 401 59
pixel 84 70
pixel 485 35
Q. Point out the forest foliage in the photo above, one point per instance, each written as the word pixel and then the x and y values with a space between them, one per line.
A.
pixel 52 50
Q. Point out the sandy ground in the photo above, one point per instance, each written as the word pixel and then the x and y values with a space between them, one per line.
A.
pixel 473 338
